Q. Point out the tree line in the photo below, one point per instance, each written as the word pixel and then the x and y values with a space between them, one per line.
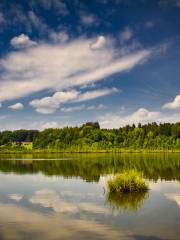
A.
pixel 89 137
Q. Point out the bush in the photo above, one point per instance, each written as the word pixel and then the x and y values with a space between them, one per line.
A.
pixel 129 181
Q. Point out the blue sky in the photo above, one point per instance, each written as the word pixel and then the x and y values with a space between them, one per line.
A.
pixel 68 62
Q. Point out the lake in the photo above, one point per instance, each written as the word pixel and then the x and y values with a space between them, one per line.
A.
pixel 64 196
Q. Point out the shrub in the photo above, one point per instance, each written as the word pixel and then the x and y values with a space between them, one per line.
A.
pixel 129 181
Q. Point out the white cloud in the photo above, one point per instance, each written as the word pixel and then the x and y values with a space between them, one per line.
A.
pixel 174 104
pixel 48 105
pixel 95 94
pixel 142 115
pixel 17 106
pixel 59 37
pixel 62 66
pixel 99 42
pixel 22 41
pixel 45 110
pixel 98 107
pixel 126 34
pixel 50 125
pixel 72 109
pixel 111 120
pixel 55 100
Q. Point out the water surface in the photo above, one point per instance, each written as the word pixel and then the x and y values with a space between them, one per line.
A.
pixel 60 196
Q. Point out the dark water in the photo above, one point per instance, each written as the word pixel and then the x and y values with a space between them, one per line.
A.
pixel 65 197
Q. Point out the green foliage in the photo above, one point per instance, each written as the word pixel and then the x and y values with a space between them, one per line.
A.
pixel 90 138
pixel 128 181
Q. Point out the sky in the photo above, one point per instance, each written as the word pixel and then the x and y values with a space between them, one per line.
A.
pixel 67 62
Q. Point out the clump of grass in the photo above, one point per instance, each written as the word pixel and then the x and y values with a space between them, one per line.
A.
pixel 127 182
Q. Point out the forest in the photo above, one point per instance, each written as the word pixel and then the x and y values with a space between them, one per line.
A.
pixel 91 138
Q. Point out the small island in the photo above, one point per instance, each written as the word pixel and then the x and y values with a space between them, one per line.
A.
pixel 127 182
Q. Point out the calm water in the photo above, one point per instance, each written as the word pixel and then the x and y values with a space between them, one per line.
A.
pixel 64 197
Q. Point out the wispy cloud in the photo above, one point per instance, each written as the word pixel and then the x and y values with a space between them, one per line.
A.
pixel 97 107
pixel 126 34
pixel 73 109
pixel 62 66
pixel 95 94
pixel 89 19
pixel 48 105
pixel 58 6
pixel 58 37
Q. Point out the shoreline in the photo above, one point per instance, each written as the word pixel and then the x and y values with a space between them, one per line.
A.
pixel 91 152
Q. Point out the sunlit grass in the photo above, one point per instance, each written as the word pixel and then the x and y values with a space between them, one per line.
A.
pixel 128 182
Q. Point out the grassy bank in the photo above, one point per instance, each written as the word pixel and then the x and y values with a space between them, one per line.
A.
pixel 84 150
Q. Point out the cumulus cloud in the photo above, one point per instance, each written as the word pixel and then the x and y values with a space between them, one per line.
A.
pixel 22 41
pixel 17 106
pixel 142 115
pixel 62 66
pixel 111 120
pixel 175 104
pixel 48 105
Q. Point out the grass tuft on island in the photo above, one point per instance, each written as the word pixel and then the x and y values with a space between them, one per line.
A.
pixel 127 182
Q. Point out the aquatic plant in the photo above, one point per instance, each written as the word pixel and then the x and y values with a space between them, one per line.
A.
pixel 128 182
